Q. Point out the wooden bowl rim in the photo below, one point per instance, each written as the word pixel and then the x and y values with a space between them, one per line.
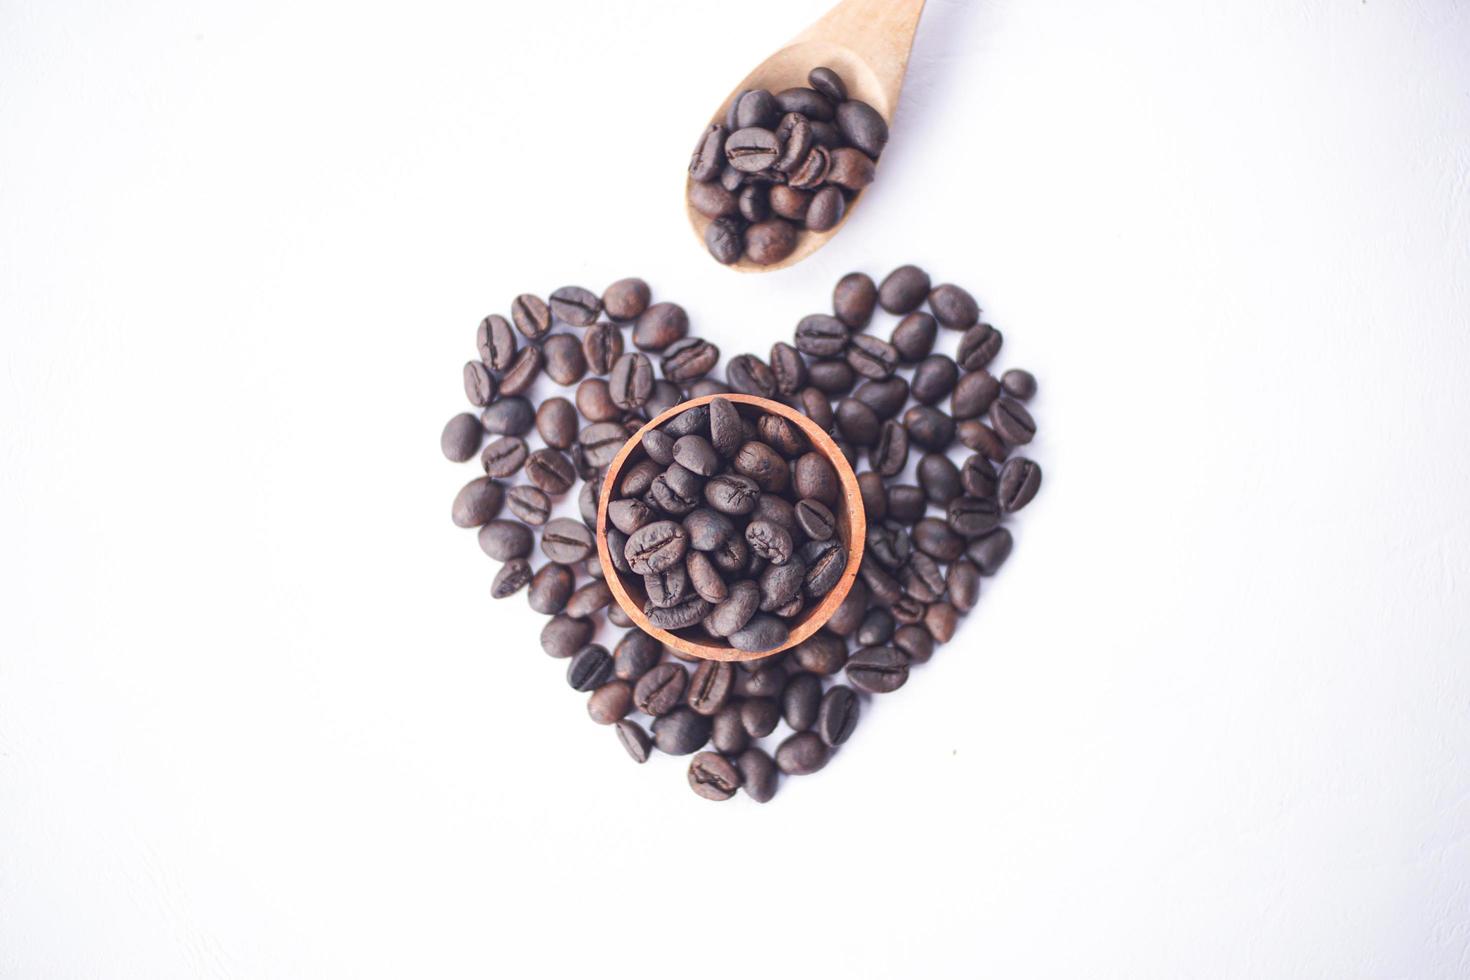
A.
pixel 816 618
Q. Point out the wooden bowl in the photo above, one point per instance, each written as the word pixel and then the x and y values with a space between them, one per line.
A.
pixel 852 530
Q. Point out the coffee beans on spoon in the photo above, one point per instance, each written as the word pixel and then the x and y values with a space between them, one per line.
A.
pixel 782 165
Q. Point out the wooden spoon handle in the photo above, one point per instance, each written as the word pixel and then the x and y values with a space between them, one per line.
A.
pixel 880 32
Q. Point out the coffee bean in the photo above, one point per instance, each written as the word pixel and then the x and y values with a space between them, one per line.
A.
pixel 504 540
pixel 529 504
pixel 496 342
pixel 834 377
pixel 762 464
pixel 523 372
pixel 602 345
pixel 790 202
pixel 563 636
pixel 635 655
pixel 730 178
pixel 590 668
pixel 751 149
pixel 757 775
pixel 681 732
pixel 656 546
pixel 676 491
pixel 725 239
pixel 1020 478
pixel 837 716
pixel 551 471
pixel 705 578
pixel 914 337
pixel 939 478
pixel 922 579
pixel 689 359
pixel 710 687
pixel 851 169
pixel 885 396
pixel 941 619
pixel 761 678
pixel 829 83
pixel 776 510
pixel 819 335
pixel 877 670
pixel 659 446
pixel 756 108
pixel 962 584
pixel 770 541
pixel 891 454
pixel 567 541
pixel 934 378
pixel 712 200
pixel 971 517
pixel 811 172
pixel 782 435
pixel 762 632
pixel 904 289
pixel 727 734
pixel 857 422
pixel 815 519
pixel 981 438
pixel 977 477
pixel 816 406
pixel 659 326
pixel 619 617
pixel 754 203
pixel 978 347
pixel 477 502
pixel 551 587
pixel 915 643
pixel 808 102
pixel 626 299
pixel 954 307
pixel 853 300
pixel 589 599
pixel 513 576
pixel 564 361
pixel 802 754
pixel 801 700
pixel 634 739
pixel 575 305
pixel 872 357
pixel 825 561
pixel 1012 422
pixel 875 500
pixel 974 393
pixel 713 777
pixel 906 503
pixel 696 454
pixel 610 702
pixel 787 368
pixel 990 550
pixel 601 442
pixel 736 611
pixel 768 242
pixel 780 584
pixel 794 132
pixel 814 478
pixel 862 127
pixel 479 385
pixel 822 653
pixel 929 428
pixel 595 402
pixel 689 422
pixel 631 381
pixel 1018 384
pixel 461 438
pixel 629 515
pixel 732 494
pixel 707 529
pixel 709 154
pixel 531 315
pixel 660 689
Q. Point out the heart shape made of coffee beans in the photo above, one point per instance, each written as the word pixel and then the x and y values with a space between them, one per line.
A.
pixel 937 488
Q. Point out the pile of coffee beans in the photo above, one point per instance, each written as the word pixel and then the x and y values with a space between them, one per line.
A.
pixel 725 523
pixel 780 164
pixel 927 423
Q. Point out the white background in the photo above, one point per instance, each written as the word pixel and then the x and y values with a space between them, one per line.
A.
pixel 258 717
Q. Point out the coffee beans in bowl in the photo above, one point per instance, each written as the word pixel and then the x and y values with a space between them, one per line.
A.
pixel 740 535
pixel 780 166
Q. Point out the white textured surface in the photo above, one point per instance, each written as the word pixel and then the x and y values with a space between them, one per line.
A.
pixel 257 718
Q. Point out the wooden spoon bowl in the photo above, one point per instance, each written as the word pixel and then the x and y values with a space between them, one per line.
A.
pixel 852 530
pixel 867 42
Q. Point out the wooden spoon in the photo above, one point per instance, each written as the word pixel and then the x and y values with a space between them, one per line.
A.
pixel 867 42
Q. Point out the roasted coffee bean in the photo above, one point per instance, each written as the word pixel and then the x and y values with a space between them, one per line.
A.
pixel 929 428
pixel 676 491
pixel 954 307
pixel 707 529
pixel 875 500
pixel 941 540
pixel 655 547
pixel 871 357
pixel 610 702
pixel 749 375
pixel 834 377
pixel 922 579
pixel 759 716
pixel 850 169
pixel 801 701
pixel 754 203
pixel 709 154
pixel 802 754
pixel 974 393
pixel 825 563
pixel 962 584
pixel 504 540
pixel 712 200
pixel 496 342
pixel 626 299
pixel 727 733
pixel 862 127
pixel 667 588
pixel 659 446
pixel 811 172
pixel 725 239
pixel 814 478
pixel 601 442
pixel 751 149
pixel 990 550
pixel 781 434
pixel 1018 384
pixel 978 477
pixel 634 740
pixel 777 510
pixel 816 406
pixel 886 396
pixel 736 611
pixel 660 689
pixel 575 305
pixel 941 619
pixel 779 584
pixel 659 326
pixel 618 617
pixel 756 108
pixel 815 519
pixel 876 629
pixel 563 636
pixel 730 493
pixel 513 576
pixel 914 337
pixel 827 209
pixel 794 132
pixel 461 438
pixel 885 587
pixel 971 517
pixel 529 504
pixel 531 315
pixel 837 716
pixel 978 347
pixel 564 361
pixel 877 670
pixel 1020 478
pixel 858 423
pixel 523 372
pixel 762 632
pixel 479 384
pixel 681 732
pixel 594 401
pixel 477 502
pixel 787 368
pixel 550 470
pixel 710 686
pixel 808 102
pixel 705 578
pixel 764 465
pixel 602 345
pixel 690 422
pixel 850 611
pixel 790 202
pixel 889 545
pixel 635 655
pixel 631 381
pixel 914 642
pixel 904 289
pixel 556 423
pixel 731 179
pixel 934 378
pixel 770 541
pixel 768 242
pixel 906 503
pixel 629 515
pixel 689 359
pixel 820 335
pixel 854 298
pixel 829 83
pixel 822 653
pixel 713 777
pixel 757 775
pixel 981 438
pixel 1012 422
pixel 551 587
pixel 695 454
pixel 891 454
pixel 591 667
pixel 939 478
